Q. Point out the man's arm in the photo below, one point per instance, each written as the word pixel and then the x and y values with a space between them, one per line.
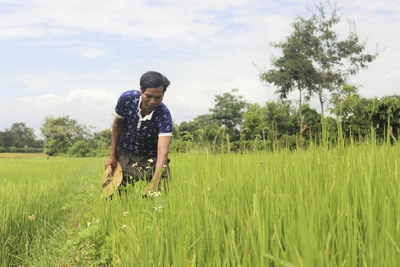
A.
pixel 117 129
pixel 162 159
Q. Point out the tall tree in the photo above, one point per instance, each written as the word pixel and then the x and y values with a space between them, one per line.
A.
pixel 294 69
pixel 334 60
pixel 314 59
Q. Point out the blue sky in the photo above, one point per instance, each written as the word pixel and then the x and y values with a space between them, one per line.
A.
pixel 76 57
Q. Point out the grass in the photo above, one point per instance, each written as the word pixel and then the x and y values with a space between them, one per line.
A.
pixel 336 207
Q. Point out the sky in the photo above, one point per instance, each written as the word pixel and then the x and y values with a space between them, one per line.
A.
pixel 75 58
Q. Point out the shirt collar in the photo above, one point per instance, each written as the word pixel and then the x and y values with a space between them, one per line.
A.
pixel 147 117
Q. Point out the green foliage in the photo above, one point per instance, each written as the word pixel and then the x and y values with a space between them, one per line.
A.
pixel 91 247
pixel 61 133
pixel 294 69
pixel 317 207
pixel 18 136
pixel 385 112
pixel 40 200
pixel 21 150
pixel 314 59
pixel 228 111
pixel 80 148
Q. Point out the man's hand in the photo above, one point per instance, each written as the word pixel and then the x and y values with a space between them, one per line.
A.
pixel 112 160
pixel 152 187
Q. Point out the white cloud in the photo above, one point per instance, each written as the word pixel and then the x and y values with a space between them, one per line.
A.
pixel 20 32
pixel 393 75
pixel 87 106
pixel 85 52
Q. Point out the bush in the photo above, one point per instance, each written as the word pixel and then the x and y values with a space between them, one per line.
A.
pixel 79 149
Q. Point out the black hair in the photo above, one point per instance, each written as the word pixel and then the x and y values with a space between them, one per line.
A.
pixel 153 79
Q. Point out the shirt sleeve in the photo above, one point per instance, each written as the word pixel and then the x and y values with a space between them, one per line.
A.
pixel 122 105
pixel 164 123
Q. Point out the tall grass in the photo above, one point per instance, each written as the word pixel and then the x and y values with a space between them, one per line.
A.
pixel 317 207
pixel 36 199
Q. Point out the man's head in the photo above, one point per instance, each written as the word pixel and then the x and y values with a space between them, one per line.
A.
pixel 153 79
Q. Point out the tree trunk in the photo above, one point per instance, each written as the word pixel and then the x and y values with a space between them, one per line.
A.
pixel 214 142
pixel 392 135
pixel 222 140
pixel 265 144
pixel 321 101
pixel 301 122
pixel 228 144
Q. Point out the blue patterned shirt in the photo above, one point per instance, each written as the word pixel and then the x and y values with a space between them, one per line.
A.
pixel 140 135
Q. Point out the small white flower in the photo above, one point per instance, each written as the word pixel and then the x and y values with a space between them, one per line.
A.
pixel 155 194
pixel 147 167
pixel 134 164
pixel 125 213
pixel 123 226
pixel 88 224
pixel 150 160
pixel 97 221
pixel 157 208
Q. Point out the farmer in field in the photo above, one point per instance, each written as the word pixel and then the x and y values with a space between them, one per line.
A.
pixel 141 133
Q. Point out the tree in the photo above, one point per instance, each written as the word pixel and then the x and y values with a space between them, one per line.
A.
pixel 61 133
pixel 312 119
pixel 315 60
pixel 294 69
pixel 19 135
pixel 334 60
pixel 254 120
pixel 201 130
pixel 281 118
pixel 385 112
pixel 228 111
pixel 25 136
pixel 8 138
pixel 352 111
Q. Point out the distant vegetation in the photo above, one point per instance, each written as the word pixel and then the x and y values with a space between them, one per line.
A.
pixel 233 125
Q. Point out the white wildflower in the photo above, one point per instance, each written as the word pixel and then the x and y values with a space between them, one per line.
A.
pixel 157 209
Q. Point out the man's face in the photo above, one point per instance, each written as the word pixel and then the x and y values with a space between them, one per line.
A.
pixel 151 98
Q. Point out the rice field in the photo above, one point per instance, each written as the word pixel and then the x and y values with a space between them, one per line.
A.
pixel 320 207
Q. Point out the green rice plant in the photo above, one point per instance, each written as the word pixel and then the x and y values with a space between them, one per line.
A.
pixel 320 207
pixel 324 206
pixel 36 199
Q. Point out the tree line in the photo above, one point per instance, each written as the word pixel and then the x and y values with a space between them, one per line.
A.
pixel 232 125
pixel 235 125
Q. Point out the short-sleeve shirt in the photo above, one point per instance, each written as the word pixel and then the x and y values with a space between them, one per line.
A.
pixel 140 135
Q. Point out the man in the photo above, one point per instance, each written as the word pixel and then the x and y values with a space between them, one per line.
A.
pixel 141 133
